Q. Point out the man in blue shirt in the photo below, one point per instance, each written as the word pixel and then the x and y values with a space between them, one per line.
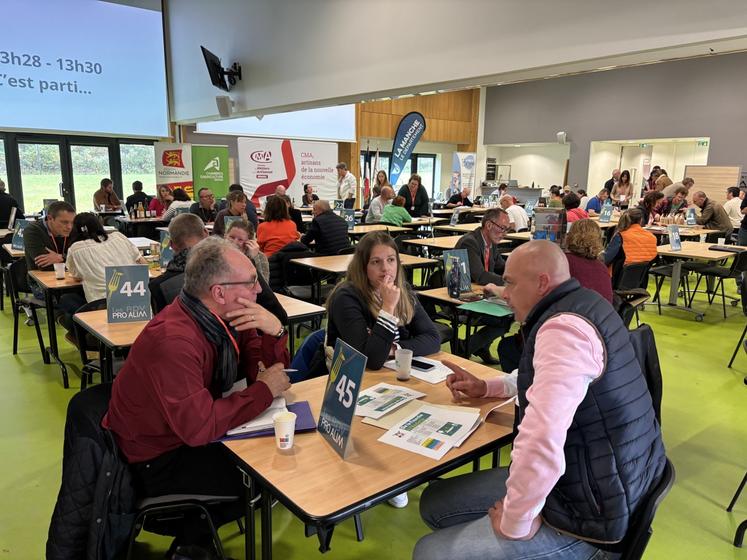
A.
pixel 595 204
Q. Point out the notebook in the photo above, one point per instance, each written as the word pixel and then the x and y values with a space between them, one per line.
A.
pixel 304 423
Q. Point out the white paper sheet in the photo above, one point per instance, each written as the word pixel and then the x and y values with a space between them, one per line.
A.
pixel 383 398
pixel 436 375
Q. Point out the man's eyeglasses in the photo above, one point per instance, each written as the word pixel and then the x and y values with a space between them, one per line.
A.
pixel 499 227
pixel 207 196
pixel 248 283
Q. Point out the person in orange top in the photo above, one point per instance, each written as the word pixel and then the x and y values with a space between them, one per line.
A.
pixel 278 229
pixel 630 244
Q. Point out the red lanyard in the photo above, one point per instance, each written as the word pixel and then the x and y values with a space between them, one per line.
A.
pixel 228 332
pixel 57 249
pixel 487 257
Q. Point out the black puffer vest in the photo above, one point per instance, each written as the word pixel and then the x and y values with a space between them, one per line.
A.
pixel 613 451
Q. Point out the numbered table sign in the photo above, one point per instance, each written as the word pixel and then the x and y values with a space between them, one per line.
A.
pixel 691 220
pixel 341 396
pixel 606 215
pixel 127 293
pixel 166 253
pixel 529 209
pixel 674 238
pixel 349 215
pixel 455 216
pixel 17 242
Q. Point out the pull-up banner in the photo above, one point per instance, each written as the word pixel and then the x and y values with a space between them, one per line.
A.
pixel 409 131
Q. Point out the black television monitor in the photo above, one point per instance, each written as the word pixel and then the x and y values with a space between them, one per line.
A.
pixel 215 69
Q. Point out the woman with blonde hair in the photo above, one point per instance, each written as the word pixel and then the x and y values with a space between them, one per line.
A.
pixel 583 249
pixel 163 199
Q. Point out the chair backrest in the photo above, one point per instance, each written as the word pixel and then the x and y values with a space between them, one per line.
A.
pixel 346 250
pixel 632 276
pixel 19 282
pixel 84 344
pixel 171 288
pixel 740 263
pixel 406 248
pixel 304 359
pixel 644 344
pixel 743 293
pixel 639 532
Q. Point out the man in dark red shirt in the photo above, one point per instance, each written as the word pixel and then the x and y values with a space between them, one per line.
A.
pixel 170 401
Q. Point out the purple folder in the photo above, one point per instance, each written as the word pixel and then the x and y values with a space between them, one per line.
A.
pixel 304 423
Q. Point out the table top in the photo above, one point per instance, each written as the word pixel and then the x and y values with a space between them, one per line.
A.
pixel 417 222
pixel 296 308
pixel 362 230
pixel 129 220
pixel 208 226
pixel 141 242
pixel 695 250
pixel 46 279
pixel 449 211
pixel 444 242
pixel 460 228
pixel 114 335
pixel 339 263
pixel 4 232
pixel 306 474
pixel 442 294
pixel 521 236
pixel 14 253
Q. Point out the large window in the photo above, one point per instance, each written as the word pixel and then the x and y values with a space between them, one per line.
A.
pixel 422 164
pixel 90 165
pixel 41 174
pixel 138 164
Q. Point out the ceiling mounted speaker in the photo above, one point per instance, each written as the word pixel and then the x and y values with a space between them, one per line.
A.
pixel 562 137
pixel 225 105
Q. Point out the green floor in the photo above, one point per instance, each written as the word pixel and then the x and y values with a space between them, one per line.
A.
pixel 704 424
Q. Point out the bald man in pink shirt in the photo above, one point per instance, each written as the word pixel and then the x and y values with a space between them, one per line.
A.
pixel 588 447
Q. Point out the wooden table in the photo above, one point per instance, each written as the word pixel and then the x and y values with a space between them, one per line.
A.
pixel 298 311
pixel 4 232
pixel 359 231
pixel 521 236
pixel 49 284
pixel 417 222
pixel 450 211
pixel 131 224
pixel 338 264
pixel 459 228
pixel 14 253
pixel 316 485
pixel 443 243
pixel 142 243
pixel 111 336
pixel 441 297
pixel 694 251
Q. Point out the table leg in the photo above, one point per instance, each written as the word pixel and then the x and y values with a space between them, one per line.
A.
pixel 266 524
pixel 53 350
pixel 674 288
pixel 250 529
pixel 467 336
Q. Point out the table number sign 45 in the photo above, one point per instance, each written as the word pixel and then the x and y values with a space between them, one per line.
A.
pixel 341 396
pixel 127 294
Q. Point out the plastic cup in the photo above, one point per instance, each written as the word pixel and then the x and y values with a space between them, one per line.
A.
pixel 403 361
pixel 285 428
pixel 59 271
pixel 702 237
pixel 102 207
pixel 722 240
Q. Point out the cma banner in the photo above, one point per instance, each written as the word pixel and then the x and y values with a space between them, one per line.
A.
pixel 409 131
pixel 266 163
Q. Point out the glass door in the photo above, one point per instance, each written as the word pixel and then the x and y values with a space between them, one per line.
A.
pixel 90 165
pixel 41 174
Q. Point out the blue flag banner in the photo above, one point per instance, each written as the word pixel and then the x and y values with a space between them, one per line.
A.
pixel 409 131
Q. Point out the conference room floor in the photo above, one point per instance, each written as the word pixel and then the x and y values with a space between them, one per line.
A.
pixel 704 425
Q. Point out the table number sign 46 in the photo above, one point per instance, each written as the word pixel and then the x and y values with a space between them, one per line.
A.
pixel 127 294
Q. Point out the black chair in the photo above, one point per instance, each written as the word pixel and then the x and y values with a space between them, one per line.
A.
pixel 663 271
pixel 5 260
pixel 346 250
pixel 639 532
pixel 405 248
pixel 22 298
pixel 632 281
pixel 743 294
pixel 720 273
pixel 86 344
pixel 644 344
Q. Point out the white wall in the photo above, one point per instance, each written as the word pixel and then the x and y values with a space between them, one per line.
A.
pixel 321 52
pixel 687 153
pixel 542 165
pixel 604 157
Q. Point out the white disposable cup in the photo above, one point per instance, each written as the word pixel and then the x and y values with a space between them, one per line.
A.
pixel 102 207
pixel 702 237
pixel 403 361
pixel 285 428
pixel 59 271
pixel 722 240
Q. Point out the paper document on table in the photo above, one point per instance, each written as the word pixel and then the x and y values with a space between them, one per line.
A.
pixel 383 398
pixel 431 431
pixel 240 385
pixel 436 375
pixel 263 421
pixel 393 418
pixel 484 418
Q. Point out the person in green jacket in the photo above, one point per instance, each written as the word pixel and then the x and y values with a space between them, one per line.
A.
pixel 395 213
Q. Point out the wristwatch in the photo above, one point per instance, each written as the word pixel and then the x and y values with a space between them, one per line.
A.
pixel 281 332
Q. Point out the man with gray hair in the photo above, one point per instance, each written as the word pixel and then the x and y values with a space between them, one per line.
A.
pixel 7 203
pixel 687 183
pixel 327 230
pixel 516 214
pixel 209 362
pixel 346 185
pixel 376 209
